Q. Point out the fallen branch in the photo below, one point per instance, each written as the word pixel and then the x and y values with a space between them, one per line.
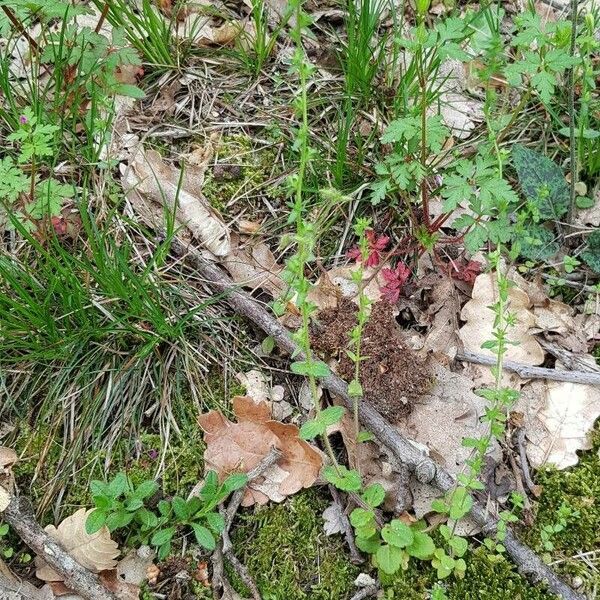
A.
pixel 12 588
pixel 425 469
pixel 19 515
pixel 225 547
pixel 529 372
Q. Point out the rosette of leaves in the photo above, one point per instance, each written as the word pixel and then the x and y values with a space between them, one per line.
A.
pixel 542 182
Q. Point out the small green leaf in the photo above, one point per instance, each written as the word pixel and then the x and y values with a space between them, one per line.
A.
pixel 460 503
pixel 355 389
pixel 584 202
pixel 459 545
pixel 311 429
pixel 389 558
pixel 365 436
pixel 180 508
pixel 146 518
pixel 331 415
pixel 542 181
pixel 235 482
pixel 145 489
pixel 162 536
pixel 118 485
pixel 268 345
pixel 99 488
pixel 314 368
pixel 374 495
pixel 119 519
pixel 133 504
pixel 164 550
pixel 368 544
pixel 204 537
pixel 95 521
pixel 360 517
pixel 102 502
pixel 343 478
pixel 422 546
pixel 215 521
pixel 397 534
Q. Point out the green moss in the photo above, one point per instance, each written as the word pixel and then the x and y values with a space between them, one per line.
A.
pixel 256 168
pixel 289 555
pixel 484 579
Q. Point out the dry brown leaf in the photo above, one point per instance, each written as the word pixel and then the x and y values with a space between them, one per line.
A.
pixel 479 324
pixel 239 447
pixel 337 282
pixel 151 179
pixel 559 418
pixel 260 390
pixel 444 307
pixel 459 112
pixel 8 457
pixel 95 552
pixel 253 266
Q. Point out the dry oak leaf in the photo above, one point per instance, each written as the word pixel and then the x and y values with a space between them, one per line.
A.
pixel 240 446
pixel 559 418
pixel 95 552
pixel 479 324
pixel 254 266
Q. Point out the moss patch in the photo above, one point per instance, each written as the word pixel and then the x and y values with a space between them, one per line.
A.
pixel 484 579
pixel 247 168
pixel 289 555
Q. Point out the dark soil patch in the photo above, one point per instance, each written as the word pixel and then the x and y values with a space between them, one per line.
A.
pixel 393 376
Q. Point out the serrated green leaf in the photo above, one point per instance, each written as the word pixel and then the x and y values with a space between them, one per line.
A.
pixel 344 479
pixel 95 521
pixel 311 429
pixel 331 415
pixel 374 495
pixel 422 546
pixel 397 534
pixel 389 558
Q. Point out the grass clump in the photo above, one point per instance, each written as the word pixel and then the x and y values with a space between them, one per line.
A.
pixel 289 555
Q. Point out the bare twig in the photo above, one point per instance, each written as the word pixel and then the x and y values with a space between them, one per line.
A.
pixel 224 548
pixel 355 556
pixel 366 592
pixel 529 372
pixel 237 496
pixel 520 442
pixel 19 515
pixel 572 361
pixel 19 27
pixel 426 470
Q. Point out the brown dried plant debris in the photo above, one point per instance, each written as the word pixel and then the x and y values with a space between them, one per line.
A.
pixel 393 375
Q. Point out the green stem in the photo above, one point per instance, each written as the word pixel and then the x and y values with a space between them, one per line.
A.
pixel 571 107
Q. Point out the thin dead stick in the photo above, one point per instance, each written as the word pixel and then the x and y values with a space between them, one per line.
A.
pixel 237 496
pixel 575 362
pixel 19 515
pixel 367 592
pixel 520 441
pixel 12 588
pixel 225 547
pixel 529 372
pixel 425 469
pixel 355 556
